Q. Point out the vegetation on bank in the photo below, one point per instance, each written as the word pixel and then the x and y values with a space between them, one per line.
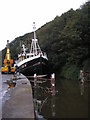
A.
pixel 66 40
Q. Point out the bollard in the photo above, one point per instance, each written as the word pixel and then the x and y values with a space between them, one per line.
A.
pixel 53 84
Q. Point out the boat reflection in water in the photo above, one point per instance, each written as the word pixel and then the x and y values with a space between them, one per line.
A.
pixel 42 94
pixel 66 103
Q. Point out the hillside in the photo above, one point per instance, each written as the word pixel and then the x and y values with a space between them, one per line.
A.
pixel 66 40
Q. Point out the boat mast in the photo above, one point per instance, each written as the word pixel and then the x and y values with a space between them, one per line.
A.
pixel 35 40
pixel 34 29
pixel 35 48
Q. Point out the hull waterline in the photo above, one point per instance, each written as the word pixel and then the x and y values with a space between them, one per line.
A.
pixel 38 66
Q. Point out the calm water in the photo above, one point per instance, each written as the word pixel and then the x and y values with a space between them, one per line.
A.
pixel 67 103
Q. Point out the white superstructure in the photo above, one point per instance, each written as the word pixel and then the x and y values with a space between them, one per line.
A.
pixel 35 51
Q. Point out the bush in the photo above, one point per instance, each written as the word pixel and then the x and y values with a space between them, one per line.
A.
pixel 70 72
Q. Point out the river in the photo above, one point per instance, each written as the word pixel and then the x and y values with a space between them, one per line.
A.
pixel 70 101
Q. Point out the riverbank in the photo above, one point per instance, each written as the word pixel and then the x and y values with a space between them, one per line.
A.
pixel 20 101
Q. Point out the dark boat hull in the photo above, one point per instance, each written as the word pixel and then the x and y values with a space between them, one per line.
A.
pixel 38 66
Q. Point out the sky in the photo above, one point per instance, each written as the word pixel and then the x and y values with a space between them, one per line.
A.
pixel 17 16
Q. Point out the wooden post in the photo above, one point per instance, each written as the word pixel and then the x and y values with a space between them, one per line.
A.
pixel 53 84
pixel 35 80
pixel 35 92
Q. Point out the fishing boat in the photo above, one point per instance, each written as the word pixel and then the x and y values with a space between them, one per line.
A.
pixel 33 62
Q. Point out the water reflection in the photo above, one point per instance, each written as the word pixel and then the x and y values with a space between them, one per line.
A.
pixel 42 94
pixel 82 88
pixel 66 103
pixel 53 106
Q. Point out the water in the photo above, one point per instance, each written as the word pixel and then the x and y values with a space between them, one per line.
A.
pixel 67 103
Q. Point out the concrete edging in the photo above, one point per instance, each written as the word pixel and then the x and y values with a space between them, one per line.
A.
pixel 20 104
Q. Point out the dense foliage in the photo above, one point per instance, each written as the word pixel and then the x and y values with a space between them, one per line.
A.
pixel 66 40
